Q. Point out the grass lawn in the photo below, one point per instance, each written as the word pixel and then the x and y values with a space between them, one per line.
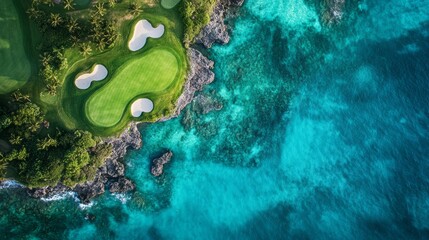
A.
pixel 152 73
pixel 104 108
pixel 157 71
pixel 168 4
pixel 15 67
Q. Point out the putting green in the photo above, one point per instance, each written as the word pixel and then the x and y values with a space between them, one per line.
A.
pixel 151 73
pixel 15 67
pixel 169 4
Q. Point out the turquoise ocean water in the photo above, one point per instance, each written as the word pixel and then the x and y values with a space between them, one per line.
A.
pixel 323 134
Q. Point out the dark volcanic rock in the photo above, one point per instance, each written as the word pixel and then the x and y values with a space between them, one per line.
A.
pixel 47 191
pixel 112 171
pixel 121 185
pixel 199 75
pixel 217 31
pixel 89 190
pixel 157 167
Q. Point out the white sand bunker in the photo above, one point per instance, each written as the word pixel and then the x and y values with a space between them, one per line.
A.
pixel 141 105
pixel 142 30
pixel 99 72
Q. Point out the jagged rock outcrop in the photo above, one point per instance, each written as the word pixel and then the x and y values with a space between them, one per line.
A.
pixel 121 185
pixel 110 175
pixel 157 167
pixel 199 75
pixel 217 31
pixel 48 191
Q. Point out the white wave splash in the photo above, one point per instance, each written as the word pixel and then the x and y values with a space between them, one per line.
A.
pixel 10 184
pixel 122 197
pixel 84 206
pixel 61 196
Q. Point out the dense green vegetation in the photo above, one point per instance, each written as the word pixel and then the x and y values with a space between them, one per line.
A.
pixel 45 136
pixel 196 15
pixel 49 128
pixel 42 155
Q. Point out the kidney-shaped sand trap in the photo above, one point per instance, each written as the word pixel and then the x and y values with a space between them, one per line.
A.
pixel 141 105
pixel 142 30
pixel 99 72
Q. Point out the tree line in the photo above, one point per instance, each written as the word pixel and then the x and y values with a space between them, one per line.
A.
pixel 62 31
pixel 41 156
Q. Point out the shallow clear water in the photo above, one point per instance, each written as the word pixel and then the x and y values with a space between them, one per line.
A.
pixel 323 134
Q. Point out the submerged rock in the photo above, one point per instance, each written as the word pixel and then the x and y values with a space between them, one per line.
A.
pixel 204 103
pixel 333 11
pixel 157 167
pixel 121 185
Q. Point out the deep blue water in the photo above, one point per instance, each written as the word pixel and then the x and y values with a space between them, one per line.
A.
pixel 323 134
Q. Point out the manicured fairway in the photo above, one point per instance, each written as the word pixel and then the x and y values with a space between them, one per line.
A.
pixel 151 73
pixel 168 4
pixel 15 67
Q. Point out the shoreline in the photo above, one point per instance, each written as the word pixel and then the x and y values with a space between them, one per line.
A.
pixel 111 175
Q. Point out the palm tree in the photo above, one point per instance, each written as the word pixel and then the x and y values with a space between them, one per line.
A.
pixel 85 49
pixel 45 143
pixel 35 2
pixel 95 19
pixel 34 127
pixel 135 9
pixel 112 3
pixel 48 2
pixel 19 97
pixel 102 45
pixel 100 9
pixel 72 25
pixel 3 165
pixel 33 12
pixel 68 4
pixel 15 139
pixel 74 41
pixel 55 19
pixel 45 59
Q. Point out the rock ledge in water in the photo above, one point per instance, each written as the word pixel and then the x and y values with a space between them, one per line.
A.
pixel 157 167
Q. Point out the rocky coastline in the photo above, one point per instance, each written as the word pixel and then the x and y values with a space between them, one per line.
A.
pixel 111 175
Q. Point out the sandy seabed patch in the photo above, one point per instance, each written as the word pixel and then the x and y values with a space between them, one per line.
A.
pixel 141 105
pixel 99 72
pixel 143 30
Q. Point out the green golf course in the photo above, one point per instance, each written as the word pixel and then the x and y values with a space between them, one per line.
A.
pixel 156 71
pixel 15 67
pixel 152 73
pixel 168 4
